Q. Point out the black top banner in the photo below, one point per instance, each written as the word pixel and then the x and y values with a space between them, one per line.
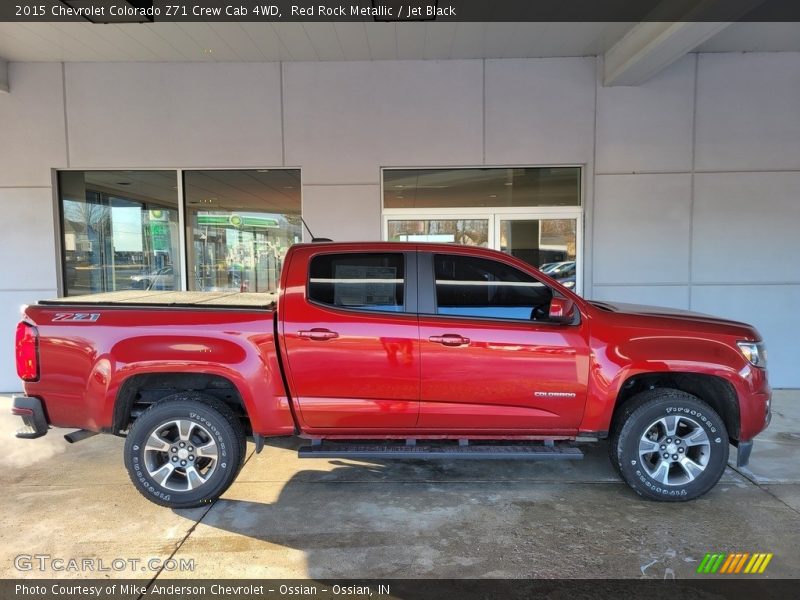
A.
pixel 138 11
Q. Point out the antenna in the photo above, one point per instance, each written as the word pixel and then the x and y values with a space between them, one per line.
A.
pixel 313 238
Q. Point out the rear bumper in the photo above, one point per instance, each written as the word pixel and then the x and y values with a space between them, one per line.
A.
pixel 32 414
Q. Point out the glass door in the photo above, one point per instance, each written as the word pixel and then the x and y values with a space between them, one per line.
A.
pixel 547 239
pixel 548 243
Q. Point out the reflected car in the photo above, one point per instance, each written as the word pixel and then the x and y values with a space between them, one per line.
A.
pixel 235 282
pixel 546 267
pixel 160 279
pixel 563 272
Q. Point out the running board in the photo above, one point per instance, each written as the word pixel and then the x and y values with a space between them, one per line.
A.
pixel 475 452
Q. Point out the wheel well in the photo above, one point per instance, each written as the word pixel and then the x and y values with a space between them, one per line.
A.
pixel 140 391
pixel 714 391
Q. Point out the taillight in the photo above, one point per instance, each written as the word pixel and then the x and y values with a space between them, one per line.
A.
pixel 27 352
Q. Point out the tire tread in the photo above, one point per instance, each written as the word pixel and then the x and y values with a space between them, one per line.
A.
pixel 624 423
pixel 210 403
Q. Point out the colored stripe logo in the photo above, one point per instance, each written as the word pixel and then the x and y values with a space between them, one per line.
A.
pixel 734 563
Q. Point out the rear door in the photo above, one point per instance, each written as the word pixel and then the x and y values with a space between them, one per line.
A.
pixel 491 359
pixel 351 336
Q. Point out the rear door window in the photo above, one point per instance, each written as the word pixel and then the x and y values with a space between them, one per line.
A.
pixel 373 282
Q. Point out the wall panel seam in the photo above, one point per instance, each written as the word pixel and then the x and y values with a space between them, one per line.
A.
pixel 700 172
pixel 483 112
pixel 283 126
pixel 64 106
pixel 692 175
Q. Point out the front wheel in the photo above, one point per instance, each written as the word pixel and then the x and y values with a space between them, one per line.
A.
pixel 185 450
pixel 671 447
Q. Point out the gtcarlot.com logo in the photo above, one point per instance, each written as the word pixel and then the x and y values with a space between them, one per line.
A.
pixel 84 564
pixel 734 563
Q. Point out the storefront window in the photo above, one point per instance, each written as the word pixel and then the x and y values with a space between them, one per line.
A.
pixel 485 187
pixel 120 230
pixel 239 226
pixel 533 213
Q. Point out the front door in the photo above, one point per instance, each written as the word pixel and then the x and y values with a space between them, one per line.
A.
pixel 352 340
pixel 491 359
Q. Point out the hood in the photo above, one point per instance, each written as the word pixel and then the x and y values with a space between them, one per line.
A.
pixel 623 308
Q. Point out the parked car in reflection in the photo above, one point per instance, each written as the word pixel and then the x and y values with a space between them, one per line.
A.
pixel 563 272
pixel 160 279
pixel 232 280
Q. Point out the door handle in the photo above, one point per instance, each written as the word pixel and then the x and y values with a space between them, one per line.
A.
pixel 317 334
pixel 450 339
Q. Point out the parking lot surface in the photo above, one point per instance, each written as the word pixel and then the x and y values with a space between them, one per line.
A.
pixel 316 518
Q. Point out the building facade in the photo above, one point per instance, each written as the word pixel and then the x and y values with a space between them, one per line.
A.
pixel 683 191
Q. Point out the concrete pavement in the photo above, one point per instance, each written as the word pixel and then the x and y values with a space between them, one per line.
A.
pixel 317 518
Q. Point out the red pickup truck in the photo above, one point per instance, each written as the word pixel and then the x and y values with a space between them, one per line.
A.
pixel 393 350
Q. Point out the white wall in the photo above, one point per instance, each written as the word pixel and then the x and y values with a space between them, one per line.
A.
pixel 698 194
pixel 692 180
pixel 32 141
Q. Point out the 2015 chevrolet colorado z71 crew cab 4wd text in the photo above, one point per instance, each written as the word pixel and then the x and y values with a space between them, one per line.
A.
pixel 393 350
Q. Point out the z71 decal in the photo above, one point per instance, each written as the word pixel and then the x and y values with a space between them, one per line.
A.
pixel 76 317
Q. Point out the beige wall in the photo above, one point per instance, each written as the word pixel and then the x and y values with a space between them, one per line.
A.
pixel 691 180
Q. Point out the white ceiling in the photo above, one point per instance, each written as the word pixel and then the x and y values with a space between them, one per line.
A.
pixel 755 37
pixel 345 41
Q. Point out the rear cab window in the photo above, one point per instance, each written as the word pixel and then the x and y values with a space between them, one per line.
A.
pixel 356 281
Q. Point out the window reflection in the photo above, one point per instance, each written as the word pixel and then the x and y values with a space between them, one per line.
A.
pixel 467 286
pixel 491 187
pixel 240 223
pixel 120 230
pixel 549 244
pixel 471 232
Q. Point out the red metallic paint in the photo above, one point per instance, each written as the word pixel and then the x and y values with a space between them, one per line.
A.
pixel 381 375
pixel 84 364
pixel 510 376
pixel 365 378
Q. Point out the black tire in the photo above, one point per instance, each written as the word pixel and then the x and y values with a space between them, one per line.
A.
pixel 210 422
pixel 647 414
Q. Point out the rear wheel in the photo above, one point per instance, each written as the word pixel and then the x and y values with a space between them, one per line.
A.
pixel 185 450
pixel 670 446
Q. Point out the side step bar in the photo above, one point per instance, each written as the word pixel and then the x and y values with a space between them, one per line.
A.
pixel 449 452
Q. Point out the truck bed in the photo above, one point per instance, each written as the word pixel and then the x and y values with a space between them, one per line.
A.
pixel 169 298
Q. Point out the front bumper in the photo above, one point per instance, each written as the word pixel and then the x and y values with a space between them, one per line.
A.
pixel 743 450
pixel 33 417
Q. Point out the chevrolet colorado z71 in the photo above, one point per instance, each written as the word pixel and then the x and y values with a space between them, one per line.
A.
pixel 393 350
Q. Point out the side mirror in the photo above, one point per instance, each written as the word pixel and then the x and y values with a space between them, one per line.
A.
pixel 562 310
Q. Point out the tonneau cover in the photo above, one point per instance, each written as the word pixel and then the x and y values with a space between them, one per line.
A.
pixel 167 298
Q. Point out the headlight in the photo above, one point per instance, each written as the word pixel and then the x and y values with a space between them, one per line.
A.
pixel 755 352
pixel 569 284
